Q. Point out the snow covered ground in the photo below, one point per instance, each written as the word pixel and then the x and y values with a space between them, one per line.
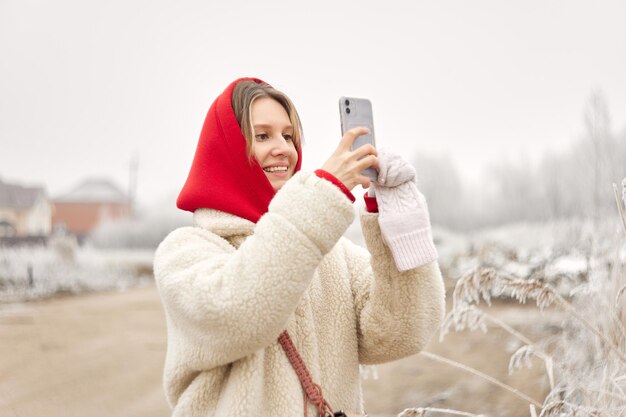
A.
pixel 30 273
pixel 564 253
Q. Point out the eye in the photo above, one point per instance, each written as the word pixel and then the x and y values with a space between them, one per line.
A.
pixel 287 136
pixel 261 136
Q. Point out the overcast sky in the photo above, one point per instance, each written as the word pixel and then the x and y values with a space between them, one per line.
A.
pixel 85 84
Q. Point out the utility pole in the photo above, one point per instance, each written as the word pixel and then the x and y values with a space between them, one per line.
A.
pixel 132 182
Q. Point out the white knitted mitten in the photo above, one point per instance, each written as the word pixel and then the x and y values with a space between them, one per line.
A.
pixel 404 220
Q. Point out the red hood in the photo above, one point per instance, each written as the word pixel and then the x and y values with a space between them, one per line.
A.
pixel 221 176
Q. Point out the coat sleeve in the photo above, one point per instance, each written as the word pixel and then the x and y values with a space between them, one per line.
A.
pixel 397 312
pixel 227 303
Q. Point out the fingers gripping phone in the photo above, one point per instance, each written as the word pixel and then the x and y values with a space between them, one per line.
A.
pixel 357 112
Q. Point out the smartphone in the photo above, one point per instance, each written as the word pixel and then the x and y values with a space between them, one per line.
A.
pixel 357 112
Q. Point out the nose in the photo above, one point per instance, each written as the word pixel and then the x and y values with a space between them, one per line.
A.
pixel 282 147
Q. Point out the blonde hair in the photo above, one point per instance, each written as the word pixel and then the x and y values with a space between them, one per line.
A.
pixel 245 93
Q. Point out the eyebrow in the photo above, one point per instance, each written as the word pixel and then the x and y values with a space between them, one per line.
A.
pixel 266 126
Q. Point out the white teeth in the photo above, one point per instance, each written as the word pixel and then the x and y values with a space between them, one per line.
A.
pixel 275 169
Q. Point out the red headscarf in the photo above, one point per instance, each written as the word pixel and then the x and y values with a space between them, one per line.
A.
pixel 222 177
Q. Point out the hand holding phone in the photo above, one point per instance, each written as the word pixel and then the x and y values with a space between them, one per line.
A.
pixel 357 112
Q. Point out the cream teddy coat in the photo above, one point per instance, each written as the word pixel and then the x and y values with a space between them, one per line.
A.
pixel 230 287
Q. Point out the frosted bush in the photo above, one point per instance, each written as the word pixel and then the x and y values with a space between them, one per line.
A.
pixel 586 361
pixel 28 273
pixel 144 231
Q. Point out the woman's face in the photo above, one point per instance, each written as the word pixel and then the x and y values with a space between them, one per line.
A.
pixel 273 145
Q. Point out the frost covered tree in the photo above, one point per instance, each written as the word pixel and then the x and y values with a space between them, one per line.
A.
pixel 440 182
pixel 597 145
pixel 575 183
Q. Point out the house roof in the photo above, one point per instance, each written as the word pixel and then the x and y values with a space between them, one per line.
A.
pixel 19 197
pixel 94 190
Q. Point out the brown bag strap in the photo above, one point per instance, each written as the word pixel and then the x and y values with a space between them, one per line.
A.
pixel 312 391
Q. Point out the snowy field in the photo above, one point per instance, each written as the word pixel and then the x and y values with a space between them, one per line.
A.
pixel 562 253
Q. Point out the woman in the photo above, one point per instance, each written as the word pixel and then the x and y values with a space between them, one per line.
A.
pixel 265 259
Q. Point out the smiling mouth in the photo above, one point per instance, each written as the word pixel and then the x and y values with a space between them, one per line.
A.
pixel 275 170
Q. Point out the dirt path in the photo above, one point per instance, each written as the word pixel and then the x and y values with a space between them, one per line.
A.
pixel 102 355
pixel 91 355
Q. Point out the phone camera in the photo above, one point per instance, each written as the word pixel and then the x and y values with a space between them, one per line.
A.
pixel 348 110
pixel 347 102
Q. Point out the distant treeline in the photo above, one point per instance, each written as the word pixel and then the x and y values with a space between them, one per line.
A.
pixel 576 183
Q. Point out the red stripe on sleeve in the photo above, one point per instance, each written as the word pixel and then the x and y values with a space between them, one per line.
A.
pixel 330 177
pixel 371 203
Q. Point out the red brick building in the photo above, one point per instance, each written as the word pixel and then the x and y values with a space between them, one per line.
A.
pixel 88 205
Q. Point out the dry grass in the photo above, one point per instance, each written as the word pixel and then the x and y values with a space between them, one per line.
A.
pixel 584 362
pixel 418 381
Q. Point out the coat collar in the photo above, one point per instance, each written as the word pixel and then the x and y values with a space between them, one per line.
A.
pixel 221 223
